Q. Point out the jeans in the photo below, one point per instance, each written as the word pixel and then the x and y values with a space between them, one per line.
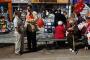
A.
pixel 19 43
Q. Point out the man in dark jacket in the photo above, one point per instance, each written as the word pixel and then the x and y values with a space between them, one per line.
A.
pixel 59 16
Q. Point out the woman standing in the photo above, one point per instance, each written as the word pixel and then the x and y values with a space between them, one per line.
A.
pixel 73 33
pixel 31 31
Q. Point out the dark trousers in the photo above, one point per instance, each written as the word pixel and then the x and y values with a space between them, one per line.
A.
pixel 72 39
pixel 31 40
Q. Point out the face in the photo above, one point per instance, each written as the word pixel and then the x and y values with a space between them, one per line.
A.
pixel 3 19
pixel 88 20
pixel 71 20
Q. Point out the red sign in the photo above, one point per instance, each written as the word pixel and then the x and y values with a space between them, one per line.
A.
pixel 1 1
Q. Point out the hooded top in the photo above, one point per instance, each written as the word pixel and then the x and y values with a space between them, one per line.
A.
pixel 59 31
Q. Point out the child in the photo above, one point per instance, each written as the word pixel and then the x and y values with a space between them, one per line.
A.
pixel 59 31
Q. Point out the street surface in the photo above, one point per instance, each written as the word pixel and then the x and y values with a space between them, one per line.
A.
pixel 7 52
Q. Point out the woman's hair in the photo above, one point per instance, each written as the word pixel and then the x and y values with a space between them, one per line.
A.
pixel 78 15
pixel 65 12
pixel 30 11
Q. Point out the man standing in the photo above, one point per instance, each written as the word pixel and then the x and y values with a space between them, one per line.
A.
pixel 59 17
pixel 18 25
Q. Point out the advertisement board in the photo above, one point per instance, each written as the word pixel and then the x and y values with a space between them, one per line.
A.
pixel 20 1
pixel 63 1
pixel 50 1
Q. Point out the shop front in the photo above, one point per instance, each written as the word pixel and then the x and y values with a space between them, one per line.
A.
pixel 7 4
pixel 40 5
pixel 20 4
pixel 5 15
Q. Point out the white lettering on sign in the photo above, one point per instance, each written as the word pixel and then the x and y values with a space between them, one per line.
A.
pixel 20 1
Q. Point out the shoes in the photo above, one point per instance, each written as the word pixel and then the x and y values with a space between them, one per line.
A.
pixel 71 50
pixel 34 50
pixel 86 48
pixel 19 53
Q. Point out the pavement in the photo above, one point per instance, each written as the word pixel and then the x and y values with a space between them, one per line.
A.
pixel 7 52
pixel 59 54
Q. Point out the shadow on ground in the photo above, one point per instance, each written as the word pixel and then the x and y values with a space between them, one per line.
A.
pixel 2 45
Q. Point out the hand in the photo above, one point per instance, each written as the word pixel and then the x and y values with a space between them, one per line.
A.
pixel 70 28
pixel 67 33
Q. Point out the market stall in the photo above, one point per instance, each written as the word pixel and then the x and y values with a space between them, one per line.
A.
pixel 41 5
pixel 49 4
pixel 5 15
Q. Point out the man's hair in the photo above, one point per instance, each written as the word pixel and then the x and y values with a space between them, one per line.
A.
pixel 78 15
pixel 17 13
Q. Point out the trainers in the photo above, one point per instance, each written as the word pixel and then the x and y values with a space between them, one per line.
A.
pixel 19 53
pixel 86 48
pixel 70 49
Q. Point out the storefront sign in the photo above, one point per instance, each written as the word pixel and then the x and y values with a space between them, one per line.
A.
pixel 50 1
pixel 20 1
pixel 1 1
pixel 44 1
pixel 63 1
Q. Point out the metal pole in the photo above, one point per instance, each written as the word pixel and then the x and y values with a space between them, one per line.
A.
pixel 73 43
